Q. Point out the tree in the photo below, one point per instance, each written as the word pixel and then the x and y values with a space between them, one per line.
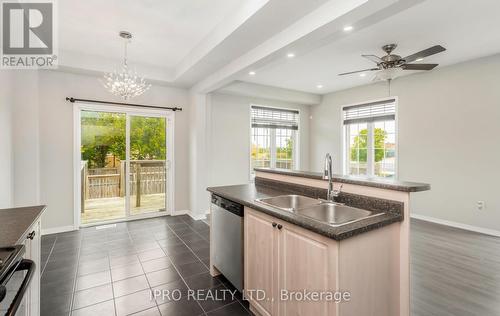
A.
pixel 359 150
pixel 147 138
pixel 287 151
pixel 103 134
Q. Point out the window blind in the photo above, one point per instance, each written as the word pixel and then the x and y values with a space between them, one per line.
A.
pixel 370 112
pixel 265 117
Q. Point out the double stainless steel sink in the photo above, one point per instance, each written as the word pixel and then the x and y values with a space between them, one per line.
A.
pixel 334 214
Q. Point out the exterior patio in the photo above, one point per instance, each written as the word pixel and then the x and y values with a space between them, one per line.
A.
pixel 105 209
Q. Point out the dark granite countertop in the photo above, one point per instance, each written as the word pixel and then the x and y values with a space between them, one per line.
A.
pixel 246 194
pixel 16 222
pixel 369 182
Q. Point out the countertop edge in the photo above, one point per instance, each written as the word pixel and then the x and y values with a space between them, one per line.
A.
pixel 16 222
pixel 323 229
pixel 42 207
pixel 397 186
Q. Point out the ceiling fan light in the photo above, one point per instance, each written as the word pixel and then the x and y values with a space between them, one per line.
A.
pixel 388 74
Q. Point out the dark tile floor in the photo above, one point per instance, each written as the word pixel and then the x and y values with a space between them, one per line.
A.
pixel 112 271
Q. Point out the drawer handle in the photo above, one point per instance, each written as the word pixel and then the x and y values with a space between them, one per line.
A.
pixel 280 226
pixel 274 224
pixel 31 235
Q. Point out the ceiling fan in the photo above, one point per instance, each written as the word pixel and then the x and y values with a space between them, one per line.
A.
pixel 391 62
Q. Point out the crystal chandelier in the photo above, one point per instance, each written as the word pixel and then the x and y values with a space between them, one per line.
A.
pixel 125 84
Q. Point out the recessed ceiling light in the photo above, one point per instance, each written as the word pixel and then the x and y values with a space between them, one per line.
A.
pixel 319 86
pixel 419 59
pixel 362 74
pixel 290 55
pixel 348 28
pixel 252 73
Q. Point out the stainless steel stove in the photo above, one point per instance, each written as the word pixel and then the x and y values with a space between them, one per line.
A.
pixel 15 277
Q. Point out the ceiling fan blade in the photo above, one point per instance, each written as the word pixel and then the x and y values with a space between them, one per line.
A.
pixel 373 58
pixel 424 53
pixel 419 66
pixel 353 72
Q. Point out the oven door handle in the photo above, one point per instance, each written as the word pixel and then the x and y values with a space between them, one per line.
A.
pixel 29 266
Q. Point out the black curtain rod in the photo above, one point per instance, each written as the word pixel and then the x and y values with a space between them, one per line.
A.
pixel 73 100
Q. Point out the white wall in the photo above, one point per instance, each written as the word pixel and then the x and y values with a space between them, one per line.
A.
pixel 254 90
pixel 229 149
pixel 56 139
pixel 448 137
pixel 6 153
pixel 198 160
pixel 26 141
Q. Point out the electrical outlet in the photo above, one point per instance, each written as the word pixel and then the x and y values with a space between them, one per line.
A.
pixel 480 205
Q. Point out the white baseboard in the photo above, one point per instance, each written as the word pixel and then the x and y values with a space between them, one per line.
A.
pixel 198 217
pixel 180 212
pixel 56 230
pixel 486 231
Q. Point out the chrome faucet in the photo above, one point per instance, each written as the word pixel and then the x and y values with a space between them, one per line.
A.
pixel 328 175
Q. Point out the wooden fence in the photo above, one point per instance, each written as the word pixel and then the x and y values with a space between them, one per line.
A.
pixel 146 177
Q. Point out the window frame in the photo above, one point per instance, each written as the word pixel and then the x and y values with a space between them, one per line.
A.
pixel 345 150
pixel 295 136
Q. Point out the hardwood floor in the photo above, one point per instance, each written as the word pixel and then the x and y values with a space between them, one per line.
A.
pixel 453 272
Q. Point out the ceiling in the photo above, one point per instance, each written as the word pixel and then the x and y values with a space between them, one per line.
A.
pixel 175 42
pixel 164 31
pixel 468 29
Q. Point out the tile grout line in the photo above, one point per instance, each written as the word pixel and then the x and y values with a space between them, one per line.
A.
pixel 224 306
pixel 127 278
pixel 76 276
pixel 129 238
pixel 209 267
pixel 190 247
pixel 111 278
pixel 48 257
pixel 180 237
pixel 111 283
pixel 176 269
pixel 194 252
pixel 145 276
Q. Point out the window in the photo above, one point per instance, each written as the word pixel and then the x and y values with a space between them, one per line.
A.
pixel 273 138
pixel 370 131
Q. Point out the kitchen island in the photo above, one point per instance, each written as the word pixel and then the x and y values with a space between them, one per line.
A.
pixel 285 252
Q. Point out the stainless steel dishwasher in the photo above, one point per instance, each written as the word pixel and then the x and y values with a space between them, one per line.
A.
pixel 227 226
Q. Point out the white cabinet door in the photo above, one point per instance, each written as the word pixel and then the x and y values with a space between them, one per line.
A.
pixel 33 248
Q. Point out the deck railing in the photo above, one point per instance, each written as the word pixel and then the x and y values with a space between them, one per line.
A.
pixel 146 177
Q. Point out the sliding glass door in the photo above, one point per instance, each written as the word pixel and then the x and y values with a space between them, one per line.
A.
pixel 124 163
pixel 102 166
pixel 148 157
